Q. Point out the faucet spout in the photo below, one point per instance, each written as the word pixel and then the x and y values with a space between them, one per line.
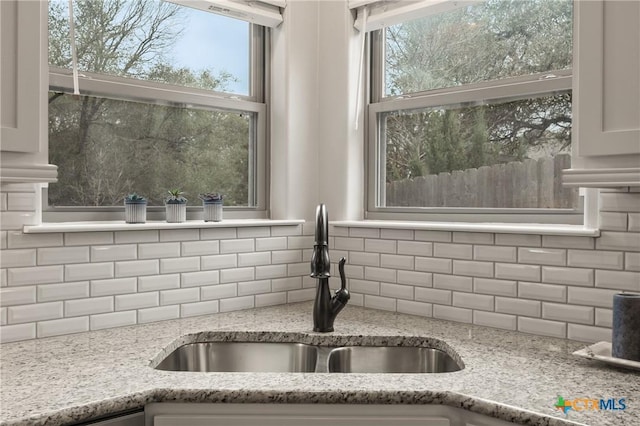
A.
pixel 325 307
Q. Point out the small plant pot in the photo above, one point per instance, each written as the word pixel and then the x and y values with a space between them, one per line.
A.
pixel 212 211
pixel 176 213
pixel 135 211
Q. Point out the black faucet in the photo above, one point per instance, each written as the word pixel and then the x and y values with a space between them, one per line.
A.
pixel 325 307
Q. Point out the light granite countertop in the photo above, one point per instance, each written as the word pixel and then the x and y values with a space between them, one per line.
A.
pixel 512 376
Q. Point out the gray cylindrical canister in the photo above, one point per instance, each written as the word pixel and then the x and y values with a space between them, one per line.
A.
pixel 625 341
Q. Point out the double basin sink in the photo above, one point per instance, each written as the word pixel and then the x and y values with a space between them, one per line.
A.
pixel 302 358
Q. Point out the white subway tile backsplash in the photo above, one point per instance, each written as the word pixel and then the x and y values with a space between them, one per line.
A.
pixel 219 291
pixel 62 326
pixel 377 302
pixel 158 282
pixel 542 327
pixel 3 240
pixel 254 232
pixel 364 232
pixel 254 287
pixel 417 248
pixel 619 202
pixel 297 269
pixel 518 240
pixel 604 317
pixel 302 295
pixel 495 253
pixel 199 308
pixel 134 268
pixel 430 264
pixel 201 278
pixel 183 295
pixel 365 287
pixel 569 313
pixel 14 221
pixel 396 234
pixel 128 237
pixel 274 243
pixel 3 316
pixel 88 238
pixel 89 271
pixel 591 297
pixel 254 259
pixel 495 287
pixel 14 333
pixel 634 222
pixel 338 231
pixel 35 275
pixel 4 281
pixel 610 221
pixel 564 241
pixel 10 296
pixel 158 314
pixel 421 279
pixel 17 258
pixel 492 319
pixel 414 308
pixel 372 273
pixel 270 271
pixel 16 240
pixel 126 302
pixel 351 271
pixel 588 334
pixel 542 256
pixel 570 276
pixel 379 246
pixel 157 250
pixel 282 284
pixel 531 308
pixel 432 295
pixel 113 252
pixel 595 259
pixel 286 256
pixel 453 282
pixel 363 258
pixel 219 261
pixel 343 243
pixel 549 292
pixel 473 301
pixel 516 271
pixel 396 261
pixel 619 280
pixel 237 246
pixel 632 261
pixel 270 299
pixel 113 319
pixel 17 201
pixel 62 255
pixel 301 242
pixel 629 241
pixel 440 236
pixel 356 299
pixel 181 264
pixel 111 287
pixel 396 291
pixel 95 305
pixel 218 233
pixel 473 237
pixel 235 275
pixel 167 235
pixel 236 303
pixel 286 230
pixel 453 251
pixel 453 313
pixel 36 312
pixel 473 268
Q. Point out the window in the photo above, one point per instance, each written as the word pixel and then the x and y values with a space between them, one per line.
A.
pixel 170 97
pixel 470 113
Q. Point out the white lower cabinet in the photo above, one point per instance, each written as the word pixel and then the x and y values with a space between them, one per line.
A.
pixel 191 414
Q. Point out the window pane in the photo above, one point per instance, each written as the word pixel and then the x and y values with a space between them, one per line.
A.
pixel 107 148
pixel 502 155
pixel 487 41
pixel 153 40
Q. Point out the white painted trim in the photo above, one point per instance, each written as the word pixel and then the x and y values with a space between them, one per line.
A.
pixel 152 225
pixel 256 12
pixel 501 228
pixel 29 173
pixel 602 178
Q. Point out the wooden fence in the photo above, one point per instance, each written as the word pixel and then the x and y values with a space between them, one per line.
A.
pixel 527 184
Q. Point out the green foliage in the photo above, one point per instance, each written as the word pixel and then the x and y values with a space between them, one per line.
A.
pixel 134 198
pixel 175 197
pixel 211 197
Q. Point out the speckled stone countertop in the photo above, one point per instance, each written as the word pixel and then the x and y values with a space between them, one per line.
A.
pixel 512 376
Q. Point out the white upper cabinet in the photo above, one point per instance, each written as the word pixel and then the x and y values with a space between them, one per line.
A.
pixel 606 94
pixel 23 92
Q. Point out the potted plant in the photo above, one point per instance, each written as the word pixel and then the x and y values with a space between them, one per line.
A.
pixel 176 206
pixel 135 208
pixel 212 206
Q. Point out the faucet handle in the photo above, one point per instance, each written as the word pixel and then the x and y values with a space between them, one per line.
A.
pixel 343 281
pixel 342 294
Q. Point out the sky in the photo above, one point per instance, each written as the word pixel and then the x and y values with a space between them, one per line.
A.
pixel 218 42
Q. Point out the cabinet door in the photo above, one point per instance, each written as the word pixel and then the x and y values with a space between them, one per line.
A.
pixel 607 78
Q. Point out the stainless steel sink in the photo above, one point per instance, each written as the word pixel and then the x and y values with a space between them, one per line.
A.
pixel 370 359
pixel 241 356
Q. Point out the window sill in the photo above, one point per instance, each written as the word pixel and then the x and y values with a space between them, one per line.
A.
pixel 151 225
pixel 501 228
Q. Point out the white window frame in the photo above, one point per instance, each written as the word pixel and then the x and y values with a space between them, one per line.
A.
pixel 130 89
pixel 503 90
